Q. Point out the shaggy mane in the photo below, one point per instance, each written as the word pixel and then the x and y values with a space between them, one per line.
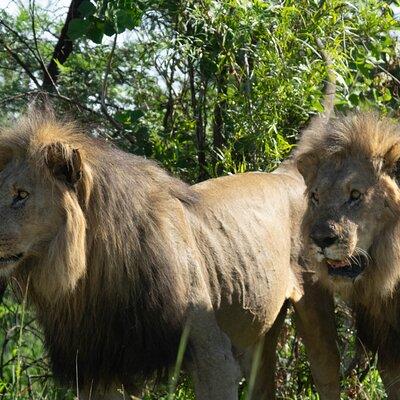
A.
pixel 109 292
pixel 376 140
pixel 359 134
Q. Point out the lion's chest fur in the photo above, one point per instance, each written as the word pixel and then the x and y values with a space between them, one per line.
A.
pixel 112 341
pixel 380 330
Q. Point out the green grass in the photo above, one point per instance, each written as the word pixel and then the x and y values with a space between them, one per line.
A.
pixel 25 374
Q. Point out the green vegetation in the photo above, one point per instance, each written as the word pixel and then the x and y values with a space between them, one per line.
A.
pixel 25 374
pixel 206 87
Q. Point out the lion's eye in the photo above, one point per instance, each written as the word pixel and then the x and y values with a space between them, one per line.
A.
pixel 315 197
pixel 20 197
pixel 355 195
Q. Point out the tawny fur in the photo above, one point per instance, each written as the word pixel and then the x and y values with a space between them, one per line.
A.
pixel 375 141
pixel 362 134
pixel 356 151
pixel 107 240
pixel 123 256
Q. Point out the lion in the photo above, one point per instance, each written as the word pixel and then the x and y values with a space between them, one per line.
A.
pixel 352 225
pixel 118 259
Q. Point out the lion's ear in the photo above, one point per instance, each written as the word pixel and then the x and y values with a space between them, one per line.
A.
pixel 391 161
pixel 307 164
pixel 64 163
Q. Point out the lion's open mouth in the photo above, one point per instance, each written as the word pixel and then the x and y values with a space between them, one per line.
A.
pixel 10 259
pixel 348 268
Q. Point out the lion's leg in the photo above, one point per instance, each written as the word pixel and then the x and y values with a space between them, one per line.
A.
pixel 390 374
pixel 315 322
pixel 264 386
pixel 215 372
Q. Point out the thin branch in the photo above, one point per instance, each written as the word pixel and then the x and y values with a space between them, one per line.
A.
pixel 379 66
pixel 388 73
pixel 20 62
pixel 104 109
pixel 21 39
pixel 35 93
pixel 330 84
pixel 35 41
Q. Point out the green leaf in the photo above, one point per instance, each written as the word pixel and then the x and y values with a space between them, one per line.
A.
pixel 122 117
pixel 354 99
pixel 136 115
pixel 129 117
pixel 127 19
pixel 109 28
pixel 387 96
pixel 87 8
pixel 96 31
pixel 316 105
pixel 63 69
pixel 77 28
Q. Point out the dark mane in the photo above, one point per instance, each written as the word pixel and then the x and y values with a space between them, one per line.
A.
pixel 122 317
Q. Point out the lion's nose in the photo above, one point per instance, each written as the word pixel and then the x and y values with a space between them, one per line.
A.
pixel 323 239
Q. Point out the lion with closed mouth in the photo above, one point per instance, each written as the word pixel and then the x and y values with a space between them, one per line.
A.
pixel 352 224
pixel 118 258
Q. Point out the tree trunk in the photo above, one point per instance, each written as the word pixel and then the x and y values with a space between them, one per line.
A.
pixel 219 133
pixel 62 50
pixel 197 107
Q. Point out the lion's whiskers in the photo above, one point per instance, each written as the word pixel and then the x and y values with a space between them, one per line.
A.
pixel 354 259
pixel 362 253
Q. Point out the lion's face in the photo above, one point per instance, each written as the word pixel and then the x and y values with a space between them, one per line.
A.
pixel 350 168
pixel 347 210
pixel 45 187
pixel 28 212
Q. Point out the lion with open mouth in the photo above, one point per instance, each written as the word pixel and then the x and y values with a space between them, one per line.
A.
pixel 352 226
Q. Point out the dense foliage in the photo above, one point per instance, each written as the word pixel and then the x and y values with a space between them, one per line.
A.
pixel 207 87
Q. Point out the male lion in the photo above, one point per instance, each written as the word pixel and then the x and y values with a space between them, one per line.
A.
pixel 352 223
pixel 117 257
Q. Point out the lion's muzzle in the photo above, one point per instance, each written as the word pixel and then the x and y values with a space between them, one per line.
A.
pixel 349 268
pixel 335 244
pixel 324 237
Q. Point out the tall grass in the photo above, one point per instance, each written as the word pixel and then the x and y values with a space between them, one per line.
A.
pixel 25 372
